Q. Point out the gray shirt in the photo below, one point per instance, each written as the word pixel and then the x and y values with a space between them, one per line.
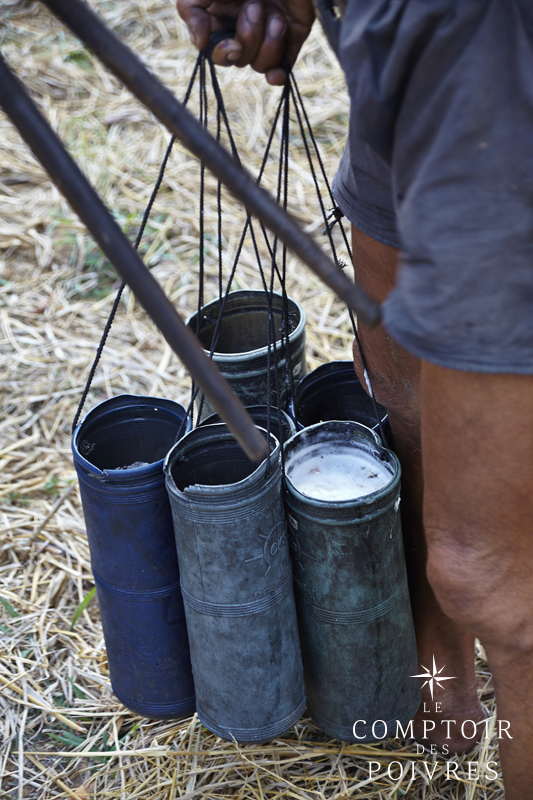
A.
pixel 440 164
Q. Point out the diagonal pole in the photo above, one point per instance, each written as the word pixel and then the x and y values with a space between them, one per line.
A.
pixel 125 65
pixel 73 184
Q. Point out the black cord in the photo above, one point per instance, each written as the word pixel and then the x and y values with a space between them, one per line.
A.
pixel 301 114
pixel 291 90
pixel 140 233
pixel 248 228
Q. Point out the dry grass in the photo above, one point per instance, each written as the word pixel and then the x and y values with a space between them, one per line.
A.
pixel 64 733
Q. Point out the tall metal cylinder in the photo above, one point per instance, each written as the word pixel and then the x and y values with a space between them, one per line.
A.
pixel 241 351
pixel 333 391
pixel 236 580
pixel 259 414
pixel 354 614
pixel 118 450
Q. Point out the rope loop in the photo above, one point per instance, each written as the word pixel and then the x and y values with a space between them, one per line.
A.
pixel 290 102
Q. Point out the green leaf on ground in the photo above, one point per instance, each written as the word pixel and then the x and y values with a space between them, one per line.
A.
pixel 68 738
pixel 9 608
pixel 77 692
pixel 82 606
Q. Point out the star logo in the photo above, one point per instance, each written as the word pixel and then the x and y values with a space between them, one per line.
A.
pixel 432 677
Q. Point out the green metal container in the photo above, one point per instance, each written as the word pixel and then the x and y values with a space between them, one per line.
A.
pixel 354 613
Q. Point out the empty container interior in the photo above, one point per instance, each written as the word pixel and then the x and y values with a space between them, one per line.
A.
pixel 337 395
pixel 125 436
pixel 212 463
pixel 259 416
pixel 244 325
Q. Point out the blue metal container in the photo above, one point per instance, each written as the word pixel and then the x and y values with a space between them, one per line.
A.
pixel 354 613
pixel 133 554
pixel 236 580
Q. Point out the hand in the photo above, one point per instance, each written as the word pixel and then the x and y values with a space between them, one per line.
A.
pixel 267 31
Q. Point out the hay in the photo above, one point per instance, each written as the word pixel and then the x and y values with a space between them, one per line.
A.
pixel 64 733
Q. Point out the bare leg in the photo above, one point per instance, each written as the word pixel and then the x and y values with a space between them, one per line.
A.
pixel 478 467
pixel 395 376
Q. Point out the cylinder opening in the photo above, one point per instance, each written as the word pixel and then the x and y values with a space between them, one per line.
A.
pixel 335 471
pixel 260 414
pixel 212 463
pixel 244 326
pixel 331 392
pixel 128 437
pixel 336 462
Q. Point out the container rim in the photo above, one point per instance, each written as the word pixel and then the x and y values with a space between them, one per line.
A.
pixel 374 442
pixel 205 489
pixel 260 351
pixel 318 374
pixel 329 365
pixel 115 403
pixel 255 408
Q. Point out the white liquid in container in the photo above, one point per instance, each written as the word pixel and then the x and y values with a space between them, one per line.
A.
pixel 336 471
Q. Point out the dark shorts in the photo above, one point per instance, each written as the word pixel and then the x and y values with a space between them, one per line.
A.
pixel 439 164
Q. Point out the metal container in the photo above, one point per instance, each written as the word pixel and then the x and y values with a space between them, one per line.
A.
pixel 236 581
pixel 354 615
pixel 133 554
pixel 259 415
pixel 333 391
pixel 241 349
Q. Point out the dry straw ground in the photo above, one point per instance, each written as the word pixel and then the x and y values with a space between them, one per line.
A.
pixel 64 733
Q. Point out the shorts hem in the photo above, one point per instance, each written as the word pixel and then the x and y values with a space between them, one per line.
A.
pixel 363 217
pixel 456 361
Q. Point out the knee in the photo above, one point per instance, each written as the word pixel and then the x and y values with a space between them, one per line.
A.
pixel 482 590
pixel 457 580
